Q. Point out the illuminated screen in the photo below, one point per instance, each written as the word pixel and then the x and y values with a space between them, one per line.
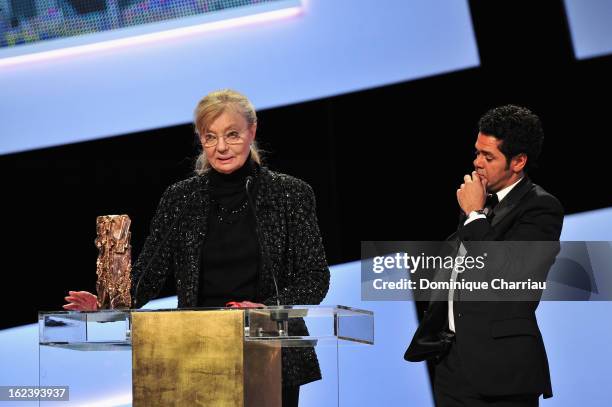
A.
pixel 29 26
pixel 309 51
pixel 589 23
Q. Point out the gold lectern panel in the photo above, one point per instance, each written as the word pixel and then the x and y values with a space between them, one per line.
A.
pixel 186 358
pixel 263 376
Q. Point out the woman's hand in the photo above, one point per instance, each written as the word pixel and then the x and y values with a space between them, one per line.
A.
pixel 81 301
pixel 244 304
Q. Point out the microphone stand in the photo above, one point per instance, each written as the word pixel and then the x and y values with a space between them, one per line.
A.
pixel 281 317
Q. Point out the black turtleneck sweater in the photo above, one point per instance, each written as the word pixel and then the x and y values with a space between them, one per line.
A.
pixel 230 252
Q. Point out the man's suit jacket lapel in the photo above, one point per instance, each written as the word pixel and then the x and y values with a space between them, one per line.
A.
pixel 511 200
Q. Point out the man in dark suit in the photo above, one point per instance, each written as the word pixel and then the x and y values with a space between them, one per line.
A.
pixel 492 353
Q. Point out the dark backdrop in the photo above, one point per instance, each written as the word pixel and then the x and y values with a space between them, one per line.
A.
pixel 384 163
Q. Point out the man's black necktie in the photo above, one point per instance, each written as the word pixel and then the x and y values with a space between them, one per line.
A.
pixel 490 204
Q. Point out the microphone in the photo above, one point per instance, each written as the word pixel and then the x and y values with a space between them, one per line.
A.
pixel 161 244
pixel 280 316
pixel 264 250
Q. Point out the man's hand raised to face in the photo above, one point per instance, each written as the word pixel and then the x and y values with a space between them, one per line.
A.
pixel 471 195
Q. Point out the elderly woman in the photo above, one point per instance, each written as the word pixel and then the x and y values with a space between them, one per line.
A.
pixel 236 233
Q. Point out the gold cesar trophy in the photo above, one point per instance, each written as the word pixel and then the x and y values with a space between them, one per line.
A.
pixel 114 263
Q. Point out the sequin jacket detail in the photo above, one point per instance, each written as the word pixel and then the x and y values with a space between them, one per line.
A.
pixel 285 208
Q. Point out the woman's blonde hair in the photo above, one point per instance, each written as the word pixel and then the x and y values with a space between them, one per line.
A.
pixel 211 107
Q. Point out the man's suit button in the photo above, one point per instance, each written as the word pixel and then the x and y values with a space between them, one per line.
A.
pixel 459 315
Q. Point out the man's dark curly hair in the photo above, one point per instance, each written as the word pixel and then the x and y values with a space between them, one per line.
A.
pixel 519 130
